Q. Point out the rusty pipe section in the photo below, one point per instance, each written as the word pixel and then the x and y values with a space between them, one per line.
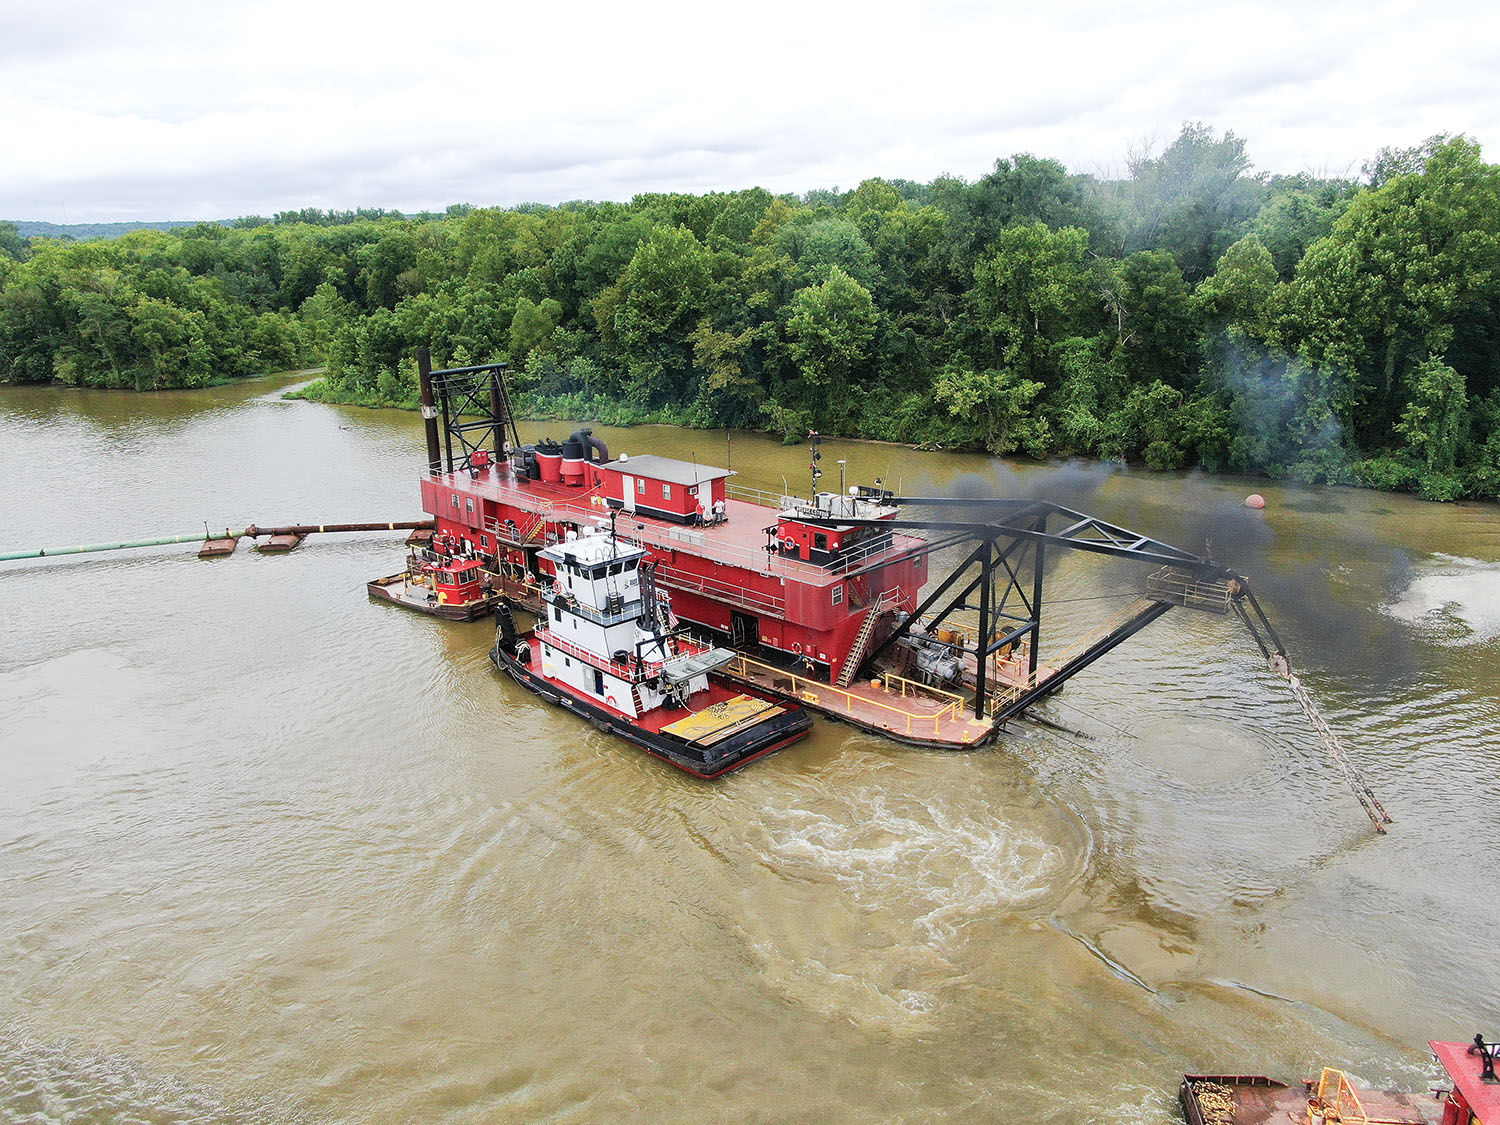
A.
pixel 251 532
pixel 254 531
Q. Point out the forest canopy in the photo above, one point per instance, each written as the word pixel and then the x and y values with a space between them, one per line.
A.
pixel 1189 312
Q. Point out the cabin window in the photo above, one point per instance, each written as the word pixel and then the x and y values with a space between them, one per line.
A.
pixel 838 595
pixel 557 613
pixel 666 492
pixel 455 501
pixel 640 486
pixel 469 503
pixel 820 541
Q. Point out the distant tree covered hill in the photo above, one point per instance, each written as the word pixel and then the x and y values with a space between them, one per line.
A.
pixel 87 232
pixel 1188 313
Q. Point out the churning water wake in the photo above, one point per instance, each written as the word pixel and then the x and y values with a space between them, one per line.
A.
pixel 1452 601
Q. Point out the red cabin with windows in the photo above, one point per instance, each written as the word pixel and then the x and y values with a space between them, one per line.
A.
pixel 455 581
pixel 664 488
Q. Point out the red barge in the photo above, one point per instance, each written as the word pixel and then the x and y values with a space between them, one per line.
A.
pixel 1473 1098
pixel 800 591
pixel 919 618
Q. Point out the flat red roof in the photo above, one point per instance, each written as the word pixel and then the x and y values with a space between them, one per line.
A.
pixel 1464 1069
pixel 669 469
pixel 739 541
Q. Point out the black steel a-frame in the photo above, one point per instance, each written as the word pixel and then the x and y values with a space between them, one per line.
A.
pixel 475 409
pixel 1010 541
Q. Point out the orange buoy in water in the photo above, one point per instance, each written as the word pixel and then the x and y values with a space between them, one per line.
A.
pixel 1255 500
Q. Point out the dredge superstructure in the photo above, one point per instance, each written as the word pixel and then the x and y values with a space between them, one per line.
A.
pixel 920 618
pixel 858 604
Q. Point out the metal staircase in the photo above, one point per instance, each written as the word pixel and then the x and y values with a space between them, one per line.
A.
pixel 543 514
pixel 862 638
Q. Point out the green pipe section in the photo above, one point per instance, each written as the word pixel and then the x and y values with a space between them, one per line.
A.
pixel 251 532
pixel 195 537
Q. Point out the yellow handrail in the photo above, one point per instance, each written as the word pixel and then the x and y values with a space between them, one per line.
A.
pixel 1344 1107
pixel 922 689
pixel 813 691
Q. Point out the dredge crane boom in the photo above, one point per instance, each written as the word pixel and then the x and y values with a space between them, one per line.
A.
pixel 1277 662
pixel 1005 547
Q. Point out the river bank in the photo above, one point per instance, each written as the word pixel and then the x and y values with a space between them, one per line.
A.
pixel 597 411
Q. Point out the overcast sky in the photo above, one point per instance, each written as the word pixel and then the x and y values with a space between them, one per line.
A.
pixel 205 110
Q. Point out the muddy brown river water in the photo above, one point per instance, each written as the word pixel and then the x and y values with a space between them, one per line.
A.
pixel 272 852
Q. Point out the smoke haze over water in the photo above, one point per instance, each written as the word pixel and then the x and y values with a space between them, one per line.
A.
pixel 1323 578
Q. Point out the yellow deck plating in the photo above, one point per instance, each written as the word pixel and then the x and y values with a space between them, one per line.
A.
pixel 719 720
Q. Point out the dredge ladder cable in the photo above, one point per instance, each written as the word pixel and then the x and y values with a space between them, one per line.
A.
pixel 1277 662
pixel 1335 748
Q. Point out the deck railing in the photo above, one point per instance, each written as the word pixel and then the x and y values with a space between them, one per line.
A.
pixel 719 590
pixel 757 496
pixel 625 672
pixel 815 691
pixel 1180 587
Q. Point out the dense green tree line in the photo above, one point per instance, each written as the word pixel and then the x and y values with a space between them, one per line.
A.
pixel 1186 313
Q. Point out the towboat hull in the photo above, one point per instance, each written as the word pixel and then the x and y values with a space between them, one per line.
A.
pixel 734 751
pixel 1252 1099
pixel 395 589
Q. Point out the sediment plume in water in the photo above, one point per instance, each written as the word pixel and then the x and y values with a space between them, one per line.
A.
pixel 1453 601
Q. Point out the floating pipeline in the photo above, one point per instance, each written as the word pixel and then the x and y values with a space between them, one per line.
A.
pixel 250 532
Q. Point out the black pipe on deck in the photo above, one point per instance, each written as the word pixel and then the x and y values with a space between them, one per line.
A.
pixel 429 410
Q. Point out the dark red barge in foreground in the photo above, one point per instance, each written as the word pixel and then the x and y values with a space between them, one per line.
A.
pixel 1243 1099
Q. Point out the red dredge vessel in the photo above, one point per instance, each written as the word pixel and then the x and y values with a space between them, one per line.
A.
pixel 608 648
pixel 1252 1099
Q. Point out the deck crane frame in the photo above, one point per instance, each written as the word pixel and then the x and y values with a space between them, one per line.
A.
pixel 1011 539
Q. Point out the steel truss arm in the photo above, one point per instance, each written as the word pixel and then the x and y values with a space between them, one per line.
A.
pixel 1061 675
pixel 1007 530
pixel 1005 518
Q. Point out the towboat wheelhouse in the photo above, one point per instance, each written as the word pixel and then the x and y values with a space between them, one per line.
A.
pixel 607 647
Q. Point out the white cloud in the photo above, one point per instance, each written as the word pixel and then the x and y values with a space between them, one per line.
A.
pixel 188 110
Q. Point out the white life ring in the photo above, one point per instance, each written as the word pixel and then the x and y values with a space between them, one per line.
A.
pixel 796 648
pixel 788 544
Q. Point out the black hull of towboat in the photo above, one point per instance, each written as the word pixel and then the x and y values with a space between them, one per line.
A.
pixel 734 752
